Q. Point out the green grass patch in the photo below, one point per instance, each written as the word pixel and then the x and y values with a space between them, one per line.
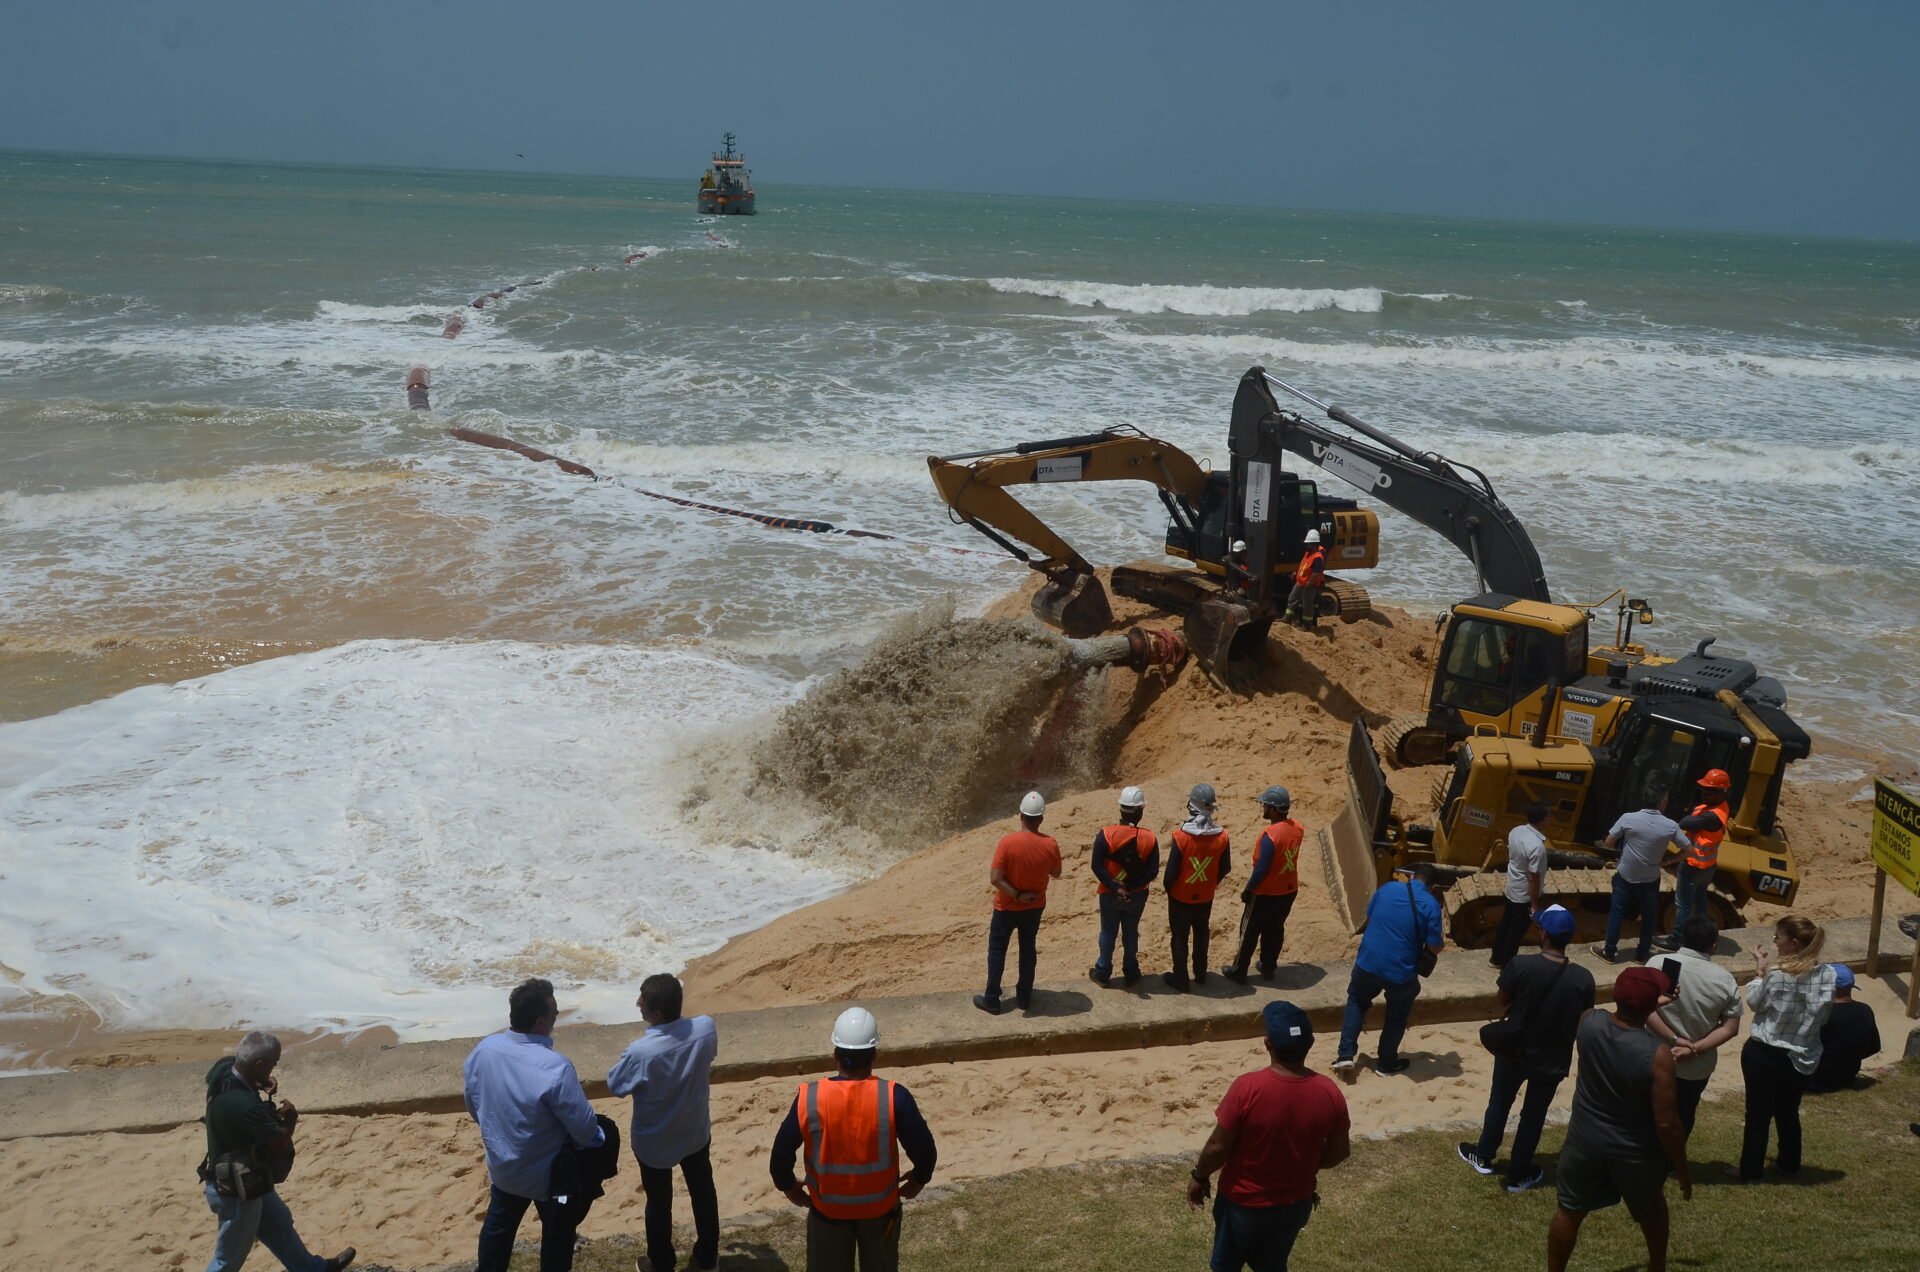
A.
pixel 1407 1201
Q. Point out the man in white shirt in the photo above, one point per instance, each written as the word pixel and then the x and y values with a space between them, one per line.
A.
pixel 1704 1013
pixel 667 1071
pixel 1526 876
pixel 1641 839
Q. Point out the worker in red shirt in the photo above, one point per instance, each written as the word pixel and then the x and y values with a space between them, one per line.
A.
pixel 1274 1132
pixel 1303 602
pixel 1126 857
pixel 1268 896
pixel 1022 864
pixel 1196 863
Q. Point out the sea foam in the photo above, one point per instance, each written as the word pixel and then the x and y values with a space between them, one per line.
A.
pixel 1150 298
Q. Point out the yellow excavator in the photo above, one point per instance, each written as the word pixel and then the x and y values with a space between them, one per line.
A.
pixel 1242 529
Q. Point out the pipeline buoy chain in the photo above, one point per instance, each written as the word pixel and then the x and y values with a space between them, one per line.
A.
pixel 772 522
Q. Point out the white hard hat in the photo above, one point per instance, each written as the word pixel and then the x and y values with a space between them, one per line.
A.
pixel 856 1030
pixel 1313 536
pixel 1133 797
pixel 1032 804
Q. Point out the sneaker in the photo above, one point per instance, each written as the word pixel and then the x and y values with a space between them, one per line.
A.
pixel 341 1260
pixel 1667 942
pixel 1469 1153
pixel 1235 975
pixel 1266 973
pixel 1024 1004
pixel 1533 1180
pixel 1399 1064
pixel 1098 977
pixel 1609 956
pixel 1175 981
pixel 1344 1066
pixel 1130 979
pixel 1200 976
pixel 989 1005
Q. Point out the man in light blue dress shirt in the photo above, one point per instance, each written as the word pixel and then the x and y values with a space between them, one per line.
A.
pixel 667 1070
pixel 528 1102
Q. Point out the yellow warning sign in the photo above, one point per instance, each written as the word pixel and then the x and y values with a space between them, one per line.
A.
pixel 1896 834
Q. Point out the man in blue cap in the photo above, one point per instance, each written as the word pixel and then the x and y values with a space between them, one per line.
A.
pixel 1548 994
pixel 1274 1132
pixel 1850 1036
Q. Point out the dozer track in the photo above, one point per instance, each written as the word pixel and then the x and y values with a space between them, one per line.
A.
pixel 1409 742
pixel 1474 904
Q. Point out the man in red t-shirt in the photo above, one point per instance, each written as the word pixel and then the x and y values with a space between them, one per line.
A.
pixel 1023 862
pixel 1276 1129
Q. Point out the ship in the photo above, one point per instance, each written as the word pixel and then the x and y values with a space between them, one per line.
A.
pixel 727 187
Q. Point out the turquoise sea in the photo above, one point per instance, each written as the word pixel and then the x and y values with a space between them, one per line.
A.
pixel 348 625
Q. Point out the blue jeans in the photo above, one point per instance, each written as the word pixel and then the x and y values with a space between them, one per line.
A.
pixel 264 1219
pixel 505 1210
pixel 999 932
pixel 1690 892
pixel 1257 1237
pixel 1361 991
pixel 1627 898
pixel 1120 916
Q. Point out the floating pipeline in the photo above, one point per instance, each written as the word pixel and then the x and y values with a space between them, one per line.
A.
pixel 807 524
pixel 418 382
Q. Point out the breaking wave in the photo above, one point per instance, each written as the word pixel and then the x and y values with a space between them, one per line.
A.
pixel 1151 298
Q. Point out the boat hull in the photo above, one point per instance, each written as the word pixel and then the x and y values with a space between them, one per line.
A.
pixel 726 204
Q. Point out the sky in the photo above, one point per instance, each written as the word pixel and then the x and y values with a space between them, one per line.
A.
pixel 1794 118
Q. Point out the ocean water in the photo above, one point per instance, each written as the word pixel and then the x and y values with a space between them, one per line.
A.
pixel 314 713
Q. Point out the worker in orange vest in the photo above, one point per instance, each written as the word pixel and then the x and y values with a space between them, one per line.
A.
pixel 1705 827
pixel 853 1127
pixel 1022 864
pixel 1303 602
pixel 1196 864
pixel 1125 860
pixel 1268 897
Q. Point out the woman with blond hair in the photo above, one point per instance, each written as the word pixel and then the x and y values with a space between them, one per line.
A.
pixel 1790 1001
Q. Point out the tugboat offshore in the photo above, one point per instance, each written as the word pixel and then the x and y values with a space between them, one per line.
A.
pixel 727 186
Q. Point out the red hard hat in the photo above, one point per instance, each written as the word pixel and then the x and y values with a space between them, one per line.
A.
pixel 1717 779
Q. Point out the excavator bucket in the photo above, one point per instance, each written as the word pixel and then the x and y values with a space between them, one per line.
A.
pixel 1213 628
pixel 1075 604
pixel 1352 846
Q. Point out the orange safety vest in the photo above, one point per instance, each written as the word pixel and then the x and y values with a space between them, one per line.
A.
pixel 852 1148
pixel 1312 570
pixel 1283 876
pixel 1118 837
pixel 1705 853
pixel 1199 871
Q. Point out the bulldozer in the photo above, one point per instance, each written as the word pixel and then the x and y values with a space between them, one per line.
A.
pixel 1241 530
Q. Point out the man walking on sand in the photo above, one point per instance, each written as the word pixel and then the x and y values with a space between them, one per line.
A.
pixel 1402 919
pixel 853 1127
pixel 249 1147
pixel 1273 1134
pixel 1125 860
pixel 667 1070
pixel 1624 1135
pixel 1196 864
pixel 528 1102
pixel 1023 862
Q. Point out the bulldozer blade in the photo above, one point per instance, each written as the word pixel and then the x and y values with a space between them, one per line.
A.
pixel 1349 845
pixel 1075 604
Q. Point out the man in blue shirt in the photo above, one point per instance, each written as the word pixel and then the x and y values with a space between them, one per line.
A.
pixel 667 1070
pixel 1402 918
pixel 528 1102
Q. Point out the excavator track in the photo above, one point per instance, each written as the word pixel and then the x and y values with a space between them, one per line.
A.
pixel 1474 904
pixel 1343 600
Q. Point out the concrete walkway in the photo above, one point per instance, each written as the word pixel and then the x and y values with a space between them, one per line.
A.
pixel 791 1041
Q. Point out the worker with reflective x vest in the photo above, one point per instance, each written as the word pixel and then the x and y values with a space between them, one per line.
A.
pixel 1268 897
pixel 1705 827
pixel 1303 602
pixel 1196 864
pixel 853 1127
pixel 1125 860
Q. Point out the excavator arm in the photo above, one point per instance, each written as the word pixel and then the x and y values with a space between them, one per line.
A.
pixel 1454 500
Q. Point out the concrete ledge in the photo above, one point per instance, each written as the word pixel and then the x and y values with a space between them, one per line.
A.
pixel 792 1041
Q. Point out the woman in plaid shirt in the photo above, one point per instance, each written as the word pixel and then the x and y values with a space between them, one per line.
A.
pixel 1790 1002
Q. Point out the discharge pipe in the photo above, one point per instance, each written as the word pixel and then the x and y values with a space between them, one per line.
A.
pixel 1138 648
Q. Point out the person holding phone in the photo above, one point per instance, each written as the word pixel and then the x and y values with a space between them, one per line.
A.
pixel 1791 1002
pixel 1704 1015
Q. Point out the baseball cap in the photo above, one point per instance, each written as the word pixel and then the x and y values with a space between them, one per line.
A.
pixel 1842 976
pixel 1556 921
pixel 1638 989
pixel 1286 1024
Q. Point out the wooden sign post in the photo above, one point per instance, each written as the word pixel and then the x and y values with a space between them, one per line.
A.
pixel 1896 854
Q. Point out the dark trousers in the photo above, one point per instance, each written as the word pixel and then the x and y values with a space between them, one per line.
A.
pixel 1362 989
pixel 1257 1237
pixel 1634 898
pixel 1508 1077
pixel 1120 917
pixel 1513 928
pixel 558 1223
pixel 1001 930
pixel 833 1244
pixel 1774 1088
pixel 697 1170
pixel 1189 921
pixel 1690 886
pixel 1687 1093
pixel 1264 923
